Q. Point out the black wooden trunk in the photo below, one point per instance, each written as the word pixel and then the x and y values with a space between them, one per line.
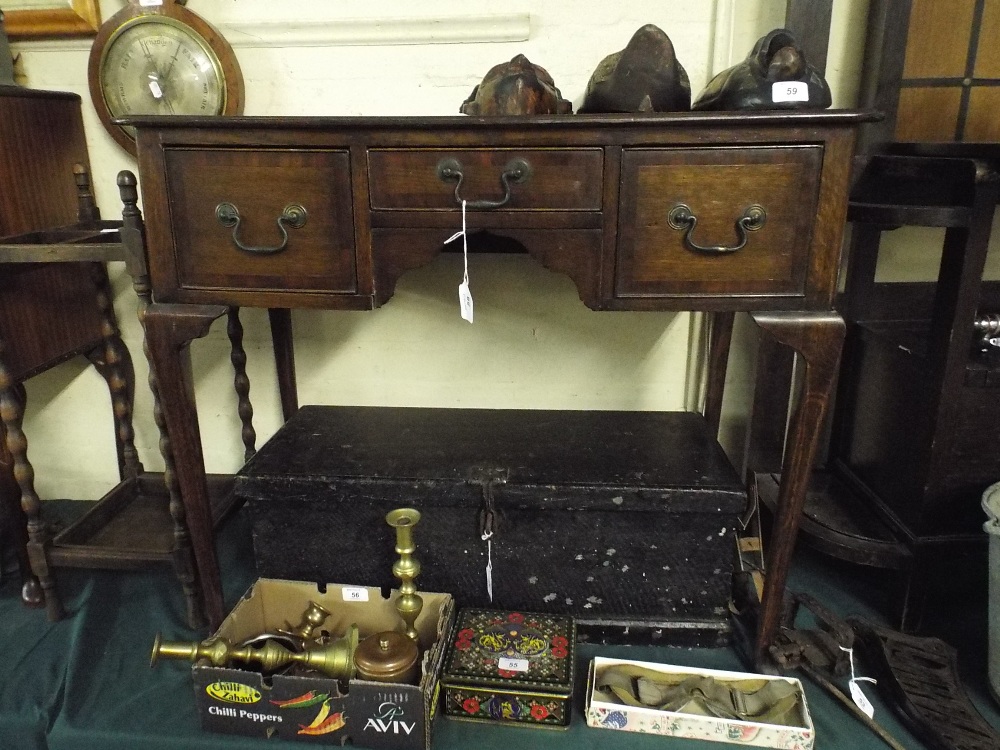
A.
pixel 624 520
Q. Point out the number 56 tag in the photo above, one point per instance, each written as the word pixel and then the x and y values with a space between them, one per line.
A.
pixel 789 91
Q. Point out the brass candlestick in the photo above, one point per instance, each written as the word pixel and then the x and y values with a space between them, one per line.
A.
pixel 335 659
pixel 406 568
pixel 314 616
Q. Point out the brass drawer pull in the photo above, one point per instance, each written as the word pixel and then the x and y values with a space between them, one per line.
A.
pixel 294 215
pixel 682 218
pixel 515 171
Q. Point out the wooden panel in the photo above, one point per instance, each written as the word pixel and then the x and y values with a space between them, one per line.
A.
pixel 47 312
pixel 318 257
pixel 982 122
pixel 36 178
pixel 988 51
pixel 718 185
pixel 938 41
pixel 560 178
pixel 928 114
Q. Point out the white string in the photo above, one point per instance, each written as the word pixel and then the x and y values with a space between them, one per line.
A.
pixel 465 245
pixel 465 302
pixel 854 678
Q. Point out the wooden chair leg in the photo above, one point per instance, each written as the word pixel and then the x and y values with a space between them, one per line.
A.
pixel 182 554
pixel 11 416
pixel 15 532
pixel 241 382
pixel 113 361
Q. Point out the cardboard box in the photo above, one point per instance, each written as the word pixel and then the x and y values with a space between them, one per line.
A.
pixel 510 667
pixel 236 700
pixel 606 715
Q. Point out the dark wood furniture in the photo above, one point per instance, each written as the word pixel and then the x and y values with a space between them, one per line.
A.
pixel 917 408
pixel 56 303
pixel 50 313
pixel 601 203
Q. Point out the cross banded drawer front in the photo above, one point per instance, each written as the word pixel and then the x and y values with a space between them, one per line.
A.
pixel 488 179
pixel 717 221
pixel 261 220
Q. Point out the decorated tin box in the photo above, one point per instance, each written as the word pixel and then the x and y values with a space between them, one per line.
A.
pixel 511 667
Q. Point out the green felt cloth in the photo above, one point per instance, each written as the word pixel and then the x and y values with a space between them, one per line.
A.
pixel 85 684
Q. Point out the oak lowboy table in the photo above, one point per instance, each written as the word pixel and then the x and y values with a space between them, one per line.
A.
pixel 712 212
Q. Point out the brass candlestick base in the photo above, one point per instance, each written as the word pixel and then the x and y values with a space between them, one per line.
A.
pixel 335 659
pixel 406 568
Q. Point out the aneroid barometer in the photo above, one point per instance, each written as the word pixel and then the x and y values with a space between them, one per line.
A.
pixel 156 57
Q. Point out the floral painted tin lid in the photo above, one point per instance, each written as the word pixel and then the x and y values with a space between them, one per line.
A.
pixel 514 650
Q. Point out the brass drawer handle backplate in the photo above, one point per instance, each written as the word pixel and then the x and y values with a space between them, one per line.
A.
pixel 294 215
pixel 515 171
pixel 683 219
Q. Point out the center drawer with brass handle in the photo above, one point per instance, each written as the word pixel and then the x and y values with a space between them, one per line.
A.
pixel 488 179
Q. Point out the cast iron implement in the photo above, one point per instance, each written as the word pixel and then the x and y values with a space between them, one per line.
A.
pixel 824 649
pixel 919 677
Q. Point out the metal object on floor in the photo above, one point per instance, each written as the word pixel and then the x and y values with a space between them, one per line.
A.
pixel 826 648
pixel 919 677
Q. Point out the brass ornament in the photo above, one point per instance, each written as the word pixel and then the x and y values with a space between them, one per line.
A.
pixel 406 568
pixel 334 659
pixel 313 617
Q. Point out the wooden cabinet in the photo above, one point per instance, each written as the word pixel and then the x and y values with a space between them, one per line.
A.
pixel 588 196
pixel 48 312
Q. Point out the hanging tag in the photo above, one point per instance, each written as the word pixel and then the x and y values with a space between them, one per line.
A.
pixel 465 300
pixel 489 564
pixel 464 293
pixel 789 91
pixel 860 699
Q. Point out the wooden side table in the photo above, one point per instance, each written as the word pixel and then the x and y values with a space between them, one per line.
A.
pixel 49 313
pixel 329 212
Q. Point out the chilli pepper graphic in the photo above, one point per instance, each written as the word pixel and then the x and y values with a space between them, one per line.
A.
pixel 303 701
pixel 324 711
pixel 331 724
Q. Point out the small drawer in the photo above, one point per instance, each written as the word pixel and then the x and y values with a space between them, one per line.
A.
pixel 270 191
pixel 553 179
pixel 717 221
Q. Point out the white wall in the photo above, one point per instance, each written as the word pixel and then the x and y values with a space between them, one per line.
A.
pixel 533 345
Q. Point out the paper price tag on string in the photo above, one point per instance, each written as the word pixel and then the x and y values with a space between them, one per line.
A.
pixel 860 699
pixel 789 91
pixel 464 293
pixel 489 563
pixel 465 299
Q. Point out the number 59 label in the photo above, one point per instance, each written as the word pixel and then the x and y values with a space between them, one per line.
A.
pixel 789 91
